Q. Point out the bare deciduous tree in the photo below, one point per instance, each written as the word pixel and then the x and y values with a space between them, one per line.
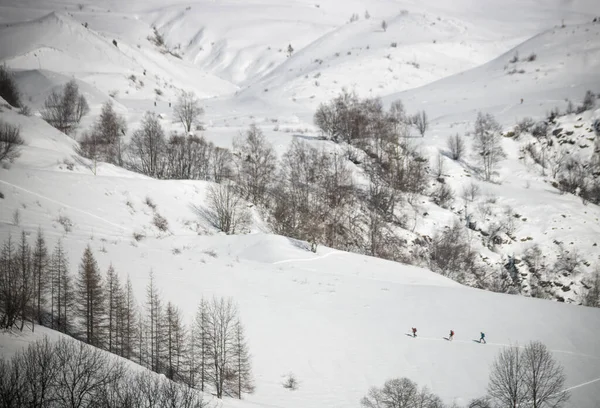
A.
pixel 400 393
pixel 527 376
pixel 456 146
pixel 90 299
pixel 147 147
pixel 487 144
pixel 255 161
pixel 187 110
pixel 105 141
pixel 384 26
pixel 507 378
pixel 10 141
pixel 421 122
pixel 64 110
pixel 229 209
pixel 591 284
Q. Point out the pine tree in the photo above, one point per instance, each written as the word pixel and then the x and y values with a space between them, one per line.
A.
pixel 90 299
pixel 243 381
pixel 41 263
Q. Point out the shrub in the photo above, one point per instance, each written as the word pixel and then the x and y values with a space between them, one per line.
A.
pixel 524 125
pixel 290 382
pixel 532 57
pixel 150 203
pixel 65 222
pixel 443 195
pixel 589 101
pixel 160 222
pixel 456 146
pixel 539 130
pixel 8 87
pixel 10 141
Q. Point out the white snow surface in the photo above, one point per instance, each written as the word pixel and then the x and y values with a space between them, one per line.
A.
pixel 338 321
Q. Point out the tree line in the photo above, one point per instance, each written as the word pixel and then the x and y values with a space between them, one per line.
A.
pixel 36 287
pixel 519 377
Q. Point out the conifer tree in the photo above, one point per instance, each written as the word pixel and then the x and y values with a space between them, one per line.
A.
pixel 90 299
pixel 243 382
pixel 41 264
pixel 61 291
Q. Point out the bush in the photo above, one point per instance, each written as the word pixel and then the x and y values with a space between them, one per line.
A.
pixel 540 130
pixel 66 223
pixel 589 101
pixel 532 57
pixel 10 141
pixel 456 146
pixel 160 222
pixel 525 125
pixel 8 87
pixel 290 382
pixel 443 195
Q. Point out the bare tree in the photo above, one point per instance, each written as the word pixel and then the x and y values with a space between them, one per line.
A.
pixel 187 110
pixel 398 115
pixel 384 26
pixel 456 146
pixel 147 147
pixel 90 299
pixel 544 378
pixel 105 141
pixel 222 318
pixel 9 90
pixel 229 209
pixel 10 141
pixel 487 144
pixel 41 274
pixel 507 385
pixel 155 325
pixel 243 382
pixel 64 110
pixel 84 374
pixel 113 299
pixel 255 161
pixel 176 339
pixel 200 344
pixel 421 122
pixel 61 290
pixel 400 393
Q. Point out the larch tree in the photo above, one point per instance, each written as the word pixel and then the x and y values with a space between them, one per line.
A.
pixel 41 266
pixel 91 299
pixel 175 336
pixel 201 346
pixel 62 296
pixel 243 381
pixel 155 326
pixel 113 299
pixel 25 282
pixel 129 321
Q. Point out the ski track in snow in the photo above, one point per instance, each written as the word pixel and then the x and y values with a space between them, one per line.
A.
pixel 67 206
pixel 508 345
pixel 308 259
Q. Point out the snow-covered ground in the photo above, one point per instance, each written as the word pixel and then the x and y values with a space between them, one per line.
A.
pixel 338 321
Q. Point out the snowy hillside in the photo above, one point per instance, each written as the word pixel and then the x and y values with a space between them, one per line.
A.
pixel 339 321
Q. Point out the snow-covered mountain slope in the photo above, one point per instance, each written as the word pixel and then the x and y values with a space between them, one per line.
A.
pixel 338 321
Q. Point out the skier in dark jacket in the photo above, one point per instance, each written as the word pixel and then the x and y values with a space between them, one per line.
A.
pixel 482 339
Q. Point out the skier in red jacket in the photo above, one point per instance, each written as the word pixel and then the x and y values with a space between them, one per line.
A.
pixel 414 331
pixel 451 335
